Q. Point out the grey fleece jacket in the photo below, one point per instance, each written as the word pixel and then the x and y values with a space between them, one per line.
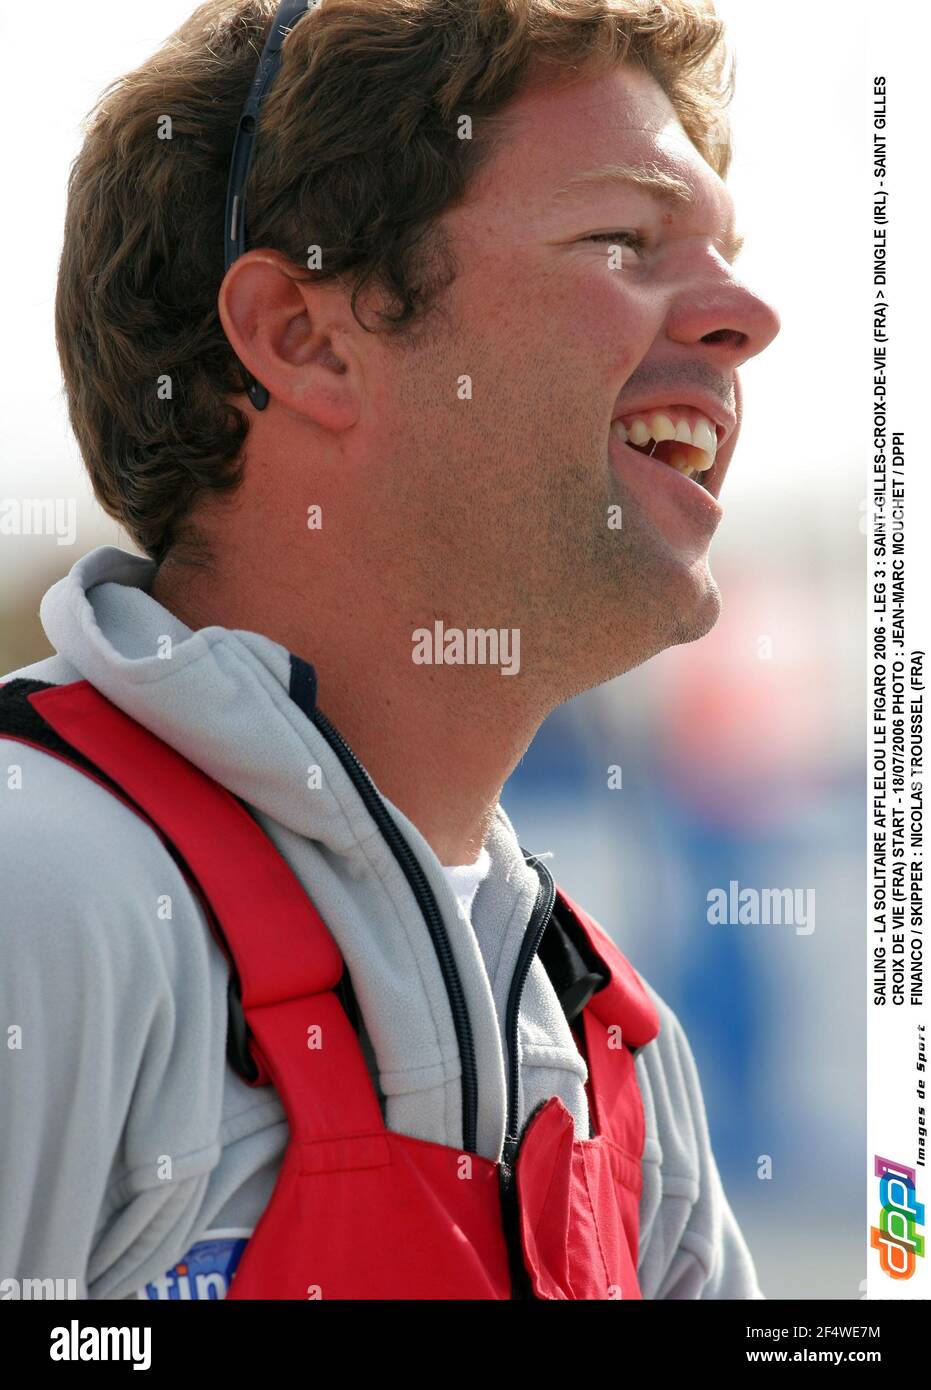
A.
pixel 127 1142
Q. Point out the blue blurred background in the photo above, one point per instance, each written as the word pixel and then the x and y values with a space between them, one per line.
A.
pixel 736 766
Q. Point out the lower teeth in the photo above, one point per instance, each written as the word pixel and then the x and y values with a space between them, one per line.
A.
pixel 676 460
pixel 681 464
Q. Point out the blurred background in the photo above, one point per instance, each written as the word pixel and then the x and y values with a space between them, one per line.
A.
pixel 741 756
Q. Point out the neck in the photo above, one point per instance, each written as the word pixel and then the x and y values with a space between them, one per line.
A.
pixel 439 741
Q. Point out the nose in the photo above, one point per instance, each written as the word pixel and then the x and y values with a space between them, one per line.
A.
pixel 724 317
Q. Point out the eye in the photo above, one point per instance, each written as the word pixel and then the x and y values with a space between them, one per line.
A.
pixel 635 240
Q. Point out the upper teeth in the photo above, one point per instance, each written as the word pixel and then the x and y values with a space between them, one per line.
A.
pixel 702 435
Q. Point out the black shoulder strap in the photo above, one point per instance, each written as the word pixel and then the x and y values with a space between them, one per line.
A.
pixel 21 720
pixel 575 971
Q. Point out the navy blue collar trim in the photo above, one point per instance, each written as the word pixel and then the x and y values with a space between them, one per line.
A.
pixel 303 686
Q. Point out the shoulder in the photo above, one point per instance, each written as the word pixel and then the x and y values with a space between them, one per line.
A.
pixel 674 1110
pixel 83 873
pixel 113 1021
pixel 82 867
pixel 54 669
pixel 109 968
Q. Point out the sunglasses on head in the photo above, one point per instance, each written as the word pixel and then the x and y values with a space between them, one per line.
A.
pixel 288 14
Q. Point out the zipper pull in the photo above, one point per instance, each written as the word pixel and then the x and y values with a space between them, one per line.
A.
pixel 507 1162
pixel 521 1285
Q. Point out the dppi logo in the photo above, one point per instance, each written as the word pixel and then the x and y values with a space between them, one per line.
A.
pixel 896 1237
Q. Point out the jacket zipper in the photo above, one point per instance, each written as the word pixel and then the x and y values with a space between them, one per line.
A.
pixel 539 920
pixel 410 866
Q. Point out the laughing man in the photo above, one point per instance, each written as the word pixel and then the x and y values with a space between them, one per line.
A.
pixel 290 1012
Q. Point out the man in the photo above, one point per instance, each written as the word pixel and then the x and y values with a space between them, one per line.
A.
pixel 489 291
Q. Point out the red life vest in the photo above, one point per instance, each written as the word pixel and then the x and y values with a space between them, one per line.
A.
pixel 359 1211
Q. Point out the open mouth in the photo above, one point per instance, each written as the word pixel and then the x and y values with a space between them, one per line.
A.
pixel 678 436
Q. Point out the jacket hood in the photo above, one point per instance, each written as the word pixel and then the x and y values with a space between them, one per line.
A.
pixel 222 698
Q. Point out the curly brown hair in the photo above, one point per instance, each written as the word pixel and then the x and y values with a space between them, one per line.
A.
pixel 359 151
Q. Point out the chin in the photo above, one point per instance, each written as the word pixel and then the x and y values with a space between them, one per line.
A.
pixel 661 600
pixel 684 609
pixel 700 616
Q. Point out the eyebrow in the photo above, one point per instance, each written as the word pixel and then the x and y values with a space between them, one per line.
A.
pixel 665 188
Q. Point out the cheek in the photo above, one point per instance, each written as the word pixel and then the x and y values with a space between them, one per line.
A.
pixel 575 331
pixel 607 322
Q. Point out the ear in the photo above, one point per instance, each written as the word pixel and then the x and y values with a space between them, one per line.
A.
pixel 296 338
